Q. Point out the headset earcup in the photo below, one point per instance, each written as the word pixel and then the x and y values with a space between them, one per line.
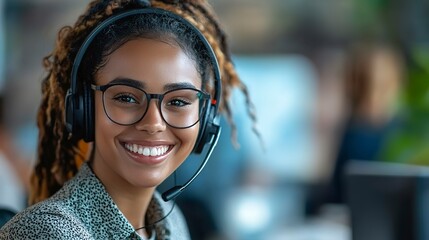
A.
pixel 79 115
pixel 74 114
pixel 69 114
pixel 206 130
pixel 89 116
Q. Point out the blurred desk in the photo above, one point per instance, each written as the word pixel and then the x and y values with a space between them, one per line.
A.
pixel 332 224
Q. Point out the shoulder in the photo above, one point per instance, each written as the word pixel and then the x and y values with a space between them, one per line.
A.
pixel 175 220
pixel 178 224
pixel 42 221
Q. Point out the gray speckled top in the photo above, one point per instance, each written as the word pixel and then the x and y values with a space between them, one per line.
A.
pixel 82 209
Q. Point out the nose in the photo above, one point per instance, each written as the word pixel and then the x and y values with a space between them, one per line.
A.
pixel 152 122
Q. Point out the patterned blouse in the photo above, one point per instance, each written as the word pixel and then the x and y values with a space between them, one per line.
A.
pixel 83 209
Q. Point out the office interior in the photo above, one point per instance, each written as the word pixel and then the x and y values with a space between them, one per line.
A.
pixel 340 89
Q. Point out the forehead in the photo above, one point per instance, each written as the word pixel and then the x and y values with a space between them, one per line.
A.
pixel 150 61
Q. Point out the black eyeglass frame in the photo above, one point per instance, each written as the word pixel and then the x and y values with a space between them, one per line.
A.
pixel 205 97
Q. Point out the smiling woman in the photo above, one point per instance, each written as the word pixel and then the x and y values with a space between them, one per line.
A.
pixel 141 81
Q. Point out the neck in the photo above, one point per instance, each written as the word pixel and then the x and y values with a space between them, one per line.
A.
pixel 132 201
pixel 133 205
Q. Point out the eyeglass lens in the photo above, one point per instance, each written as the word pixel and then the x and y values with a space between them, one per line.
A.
pixel 127 105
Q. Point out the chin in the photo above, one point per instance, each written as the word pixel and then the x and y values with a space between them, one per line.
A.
pixel 145 178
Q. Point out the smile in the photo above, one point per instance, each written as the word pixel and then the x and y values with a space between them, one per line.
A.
pixel 147 151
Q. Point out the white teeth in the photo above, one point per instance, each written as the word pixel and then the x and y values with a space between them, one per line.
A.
pixel 147 151
pixel 153 152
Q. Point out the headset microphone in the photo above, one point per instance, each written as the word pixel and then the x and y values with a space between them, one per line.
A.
pixel 176 190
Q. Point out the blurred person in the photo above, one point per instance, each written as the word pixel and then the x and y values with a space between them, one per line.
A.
pixel 373 77
pixel 101 77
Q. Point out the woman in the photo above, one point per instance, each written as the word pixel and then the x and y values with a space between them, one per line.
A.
pixel 144 87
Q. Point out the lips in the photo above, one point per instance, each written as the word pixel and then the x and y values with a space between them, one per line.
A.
pixel 152 151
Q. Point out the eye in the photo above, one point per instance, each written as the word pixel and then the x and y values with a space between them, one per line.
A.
pixel 125 98
pixel 178 102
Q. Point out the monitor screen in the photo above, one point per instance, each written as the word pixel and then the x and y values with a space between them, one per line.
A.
pixel 387 201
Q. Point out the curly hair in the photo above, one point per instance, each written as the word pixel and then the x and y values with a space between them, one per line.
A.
pixel 59 155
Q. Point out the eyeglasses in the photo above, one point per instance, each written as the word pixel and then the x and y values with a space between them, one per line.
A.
pixel 127 105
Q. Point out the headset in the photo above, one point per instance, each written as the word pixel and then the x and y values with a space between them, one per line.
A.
pixel 79 101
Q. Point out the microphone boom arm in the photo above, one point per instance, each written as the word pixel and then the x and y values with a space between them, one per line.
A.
pixel 176 190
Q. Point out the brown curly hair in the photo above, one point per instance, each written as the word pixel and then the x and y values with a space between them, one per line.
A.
pixel 59 155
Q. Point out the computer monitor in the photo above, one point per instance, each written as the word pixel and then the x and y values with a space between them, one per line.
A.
pixel 387 201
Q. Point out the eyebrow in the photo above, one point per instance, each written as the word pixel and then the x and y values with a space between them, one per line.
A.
pixel 128 81
pixel 141 85
pixel 172 86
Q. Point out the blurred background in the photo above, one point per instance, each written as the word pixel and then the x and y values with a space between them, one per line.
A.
pixel 332 81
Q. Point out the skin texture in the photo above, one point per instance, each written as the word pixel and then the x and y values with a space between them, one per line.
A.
pixel 131 178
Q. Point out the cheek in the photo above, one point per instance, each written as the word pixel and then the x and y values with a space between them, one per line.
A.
pixel 188 137
pixel 99 111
